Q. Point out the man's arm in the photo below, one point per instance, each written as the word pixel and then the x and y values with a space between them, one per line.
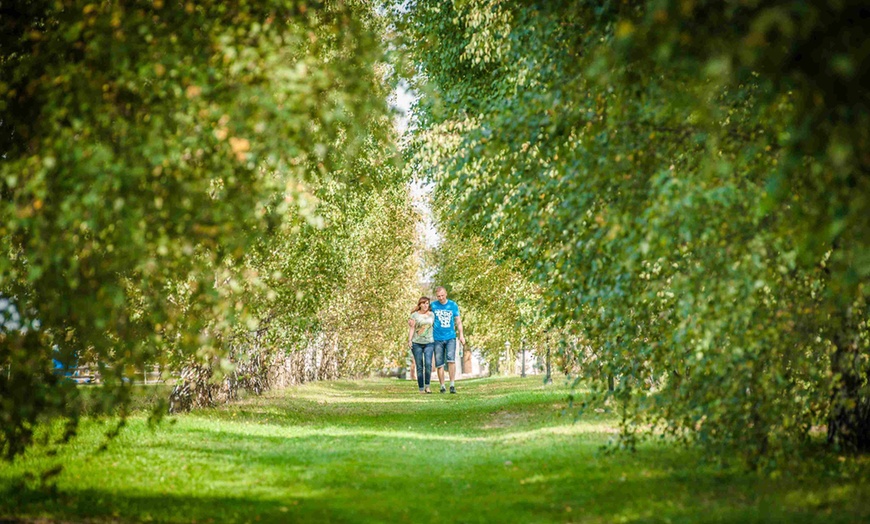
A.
pixel 459 328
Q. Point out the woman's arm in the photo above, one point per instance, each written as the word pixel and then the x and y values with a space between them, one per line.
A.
pixel 411 326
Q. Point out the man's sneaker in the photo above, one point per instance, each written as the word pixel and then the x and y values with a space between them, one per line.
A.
pixel 443 389
pixel 453 389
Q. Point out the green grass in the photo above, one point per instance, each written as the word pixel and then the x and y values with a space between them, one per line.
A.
pixel 377 451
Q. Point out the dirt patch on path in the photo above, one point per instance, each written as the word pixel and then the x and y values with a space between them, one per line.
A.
pixel 504 419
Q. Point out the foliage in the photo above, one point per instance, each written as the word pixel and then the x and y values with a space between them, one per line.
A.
pixel 684 182
pixel 326 299
pixel 173 185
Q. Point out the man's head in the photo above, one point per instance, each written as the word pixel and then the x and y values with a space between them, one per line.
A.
pixel 441 294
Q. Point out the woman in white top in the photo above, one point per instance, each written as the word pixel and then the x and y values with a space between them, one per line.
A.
pixel 421 342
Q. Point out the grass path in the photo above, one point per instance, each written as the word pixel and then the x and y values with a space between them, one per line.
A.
pixel 376 451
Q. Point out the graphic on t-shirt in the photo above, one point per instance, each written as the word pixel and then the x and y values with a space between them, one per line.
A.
pixel 444 317
pixel 422 327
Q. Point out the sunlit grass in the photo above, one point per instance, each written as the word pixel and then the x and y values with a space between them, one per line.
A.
pixel 377 451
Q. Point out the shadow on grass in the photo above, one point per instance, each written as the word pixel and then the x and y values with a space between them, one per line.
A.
pixel 97 505
pixel 640 489
pixel 331 454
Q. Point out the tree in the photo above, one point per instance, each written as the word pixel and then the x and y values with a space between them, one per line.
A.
pixel 154 152
pixel 682 185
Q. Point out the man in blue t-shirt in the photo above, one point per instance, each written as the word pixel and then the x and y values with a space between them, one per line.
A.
pixel 447 322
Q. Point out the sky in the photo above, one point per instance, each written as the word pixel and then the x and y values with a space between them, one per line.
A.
pixel 420 190
pixel 403 99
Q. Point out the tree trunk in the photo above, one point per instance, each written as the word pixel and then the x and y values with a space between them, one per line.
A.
pixel 849 416
pixel 548 378
pixel 466 361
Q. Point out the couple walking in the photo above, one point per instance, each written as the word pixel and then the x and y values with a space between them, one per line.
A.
pixel 433 328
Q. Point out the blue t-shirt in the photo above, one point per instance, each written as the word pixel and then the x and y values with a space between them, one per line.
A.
pixel 445 319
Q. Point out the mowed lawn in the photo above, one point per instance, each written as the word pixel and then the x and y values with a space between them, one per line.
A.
pixel 377 451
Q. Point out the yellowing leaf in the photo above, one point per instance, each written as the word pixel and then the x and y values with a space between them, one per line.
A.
pixel 240 147
pixel 624 29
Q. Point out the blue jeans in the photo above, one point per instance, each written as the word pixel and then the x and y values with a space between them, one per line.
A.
pixel 423 360
pixel 445 351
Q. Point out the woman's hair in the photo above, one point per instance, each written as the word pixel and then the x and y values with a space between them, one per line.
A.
pixel 422 299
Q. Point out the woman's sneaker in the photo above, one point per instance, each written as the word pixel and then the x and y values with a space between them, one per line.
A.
pixel 443 389
pixel 453 389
